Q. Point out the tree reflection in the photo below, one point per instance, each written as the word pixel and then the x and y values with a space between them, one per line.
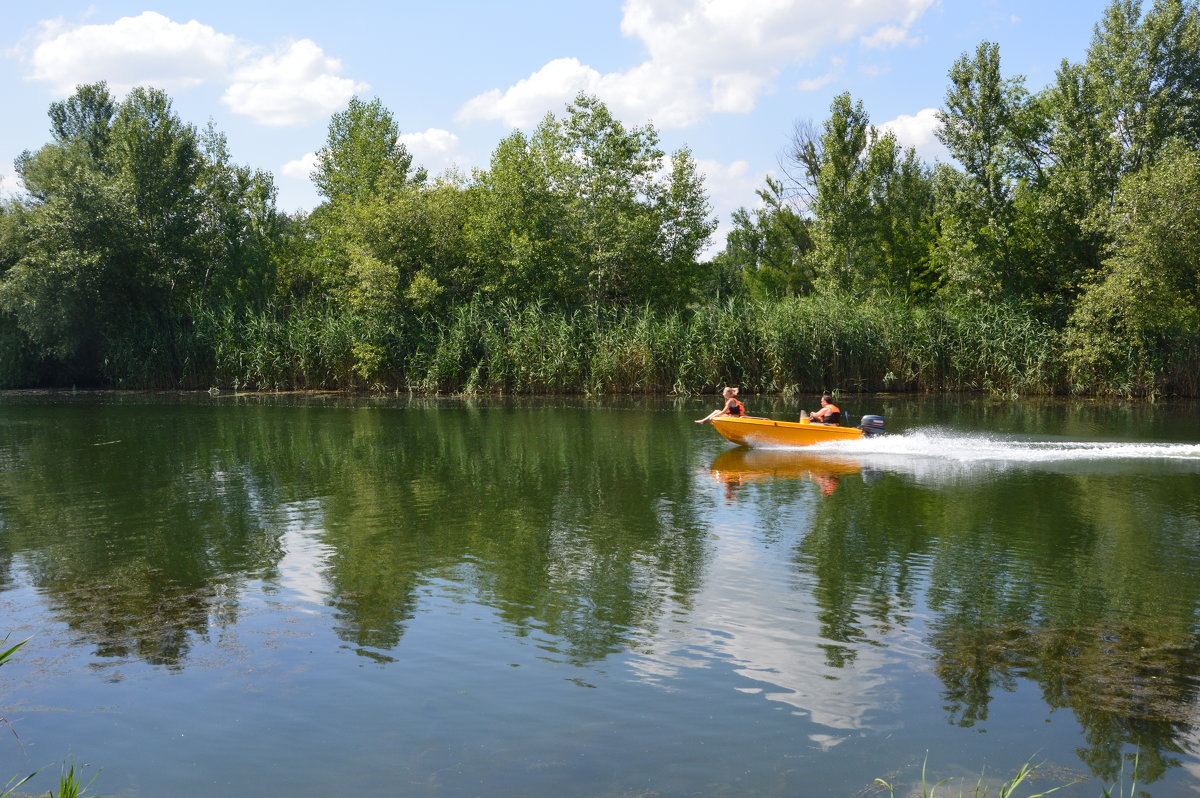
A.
pixel 573 523
pixel 135 528
pixel 141 524
pixel 570 523
pixel 1076 594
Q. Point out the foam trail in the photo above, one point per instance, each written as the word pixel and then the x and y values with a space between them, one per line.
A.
pixel 938 456
pixel 997 451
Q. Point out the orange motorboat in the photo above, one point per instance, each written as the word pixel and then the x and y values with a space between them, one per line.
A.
pixel 749 431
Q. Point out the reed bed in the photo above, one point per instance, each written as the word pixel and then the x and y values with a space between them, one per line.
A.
pixel 785 346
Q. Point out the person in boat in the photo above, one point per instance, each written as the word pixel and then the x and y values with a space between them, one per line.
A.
pixel 732 406
pixel 828 414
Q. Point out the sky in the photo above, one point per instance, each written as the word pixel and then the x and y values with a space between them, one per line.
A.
pixel 728 79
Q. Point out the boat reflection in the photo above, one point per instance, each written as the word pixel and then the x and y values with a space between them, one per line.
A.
pixel 735 468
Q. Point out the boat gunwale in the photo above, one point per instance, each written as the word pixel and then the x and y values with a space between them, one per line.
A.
pixel 820 433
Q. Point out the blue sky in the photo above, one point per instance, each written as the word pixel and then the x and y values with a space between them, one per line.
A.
pixel 727 78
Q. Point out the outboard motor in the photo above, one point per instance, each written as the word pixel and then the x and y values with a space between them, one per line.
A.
pixel 871 426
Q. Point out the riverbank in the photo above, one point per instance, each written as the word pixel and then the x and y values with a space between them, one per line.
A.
pixel 785 347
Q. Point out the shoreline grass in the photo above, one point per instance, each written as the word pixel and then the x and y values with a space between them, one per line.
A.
pixel 782 347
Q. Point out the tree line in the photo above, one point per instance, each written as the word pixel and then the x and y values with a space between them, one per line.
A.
pixel 1062 241
pixel 1078 205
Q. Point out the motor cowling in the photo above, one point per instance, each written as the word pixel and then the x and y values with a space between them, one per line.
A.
pixel 871 425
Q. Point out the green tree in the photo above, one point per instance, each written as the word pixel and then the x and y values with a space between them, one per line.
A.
pixel 519 229
pixel 685 226
pixel 842 200
pixel 13 234
pixel 587 210
pixel 68 293
pixel 1149 76
pixel 871 202
pixel 638 232
pixel 371 235
pixel 901 222
pixel 240 229
pixel 1139 314
pixel 1137 90
pixel 17 362
pixel 767 251
pixel 1051 211
pixel 976 209
pixel 363 158
pixel 158 165
pixel 130 219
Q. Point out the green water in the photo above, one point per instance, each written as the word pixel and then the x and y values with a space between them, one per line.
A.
pixel 315 596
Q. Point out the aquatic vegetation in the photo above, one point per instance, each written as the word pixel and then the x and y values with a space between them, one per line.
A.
pixel 1009 788
pixel 787 346
pixel 7 653
pixel 70 782
pixel 1006 790
pixel 16 781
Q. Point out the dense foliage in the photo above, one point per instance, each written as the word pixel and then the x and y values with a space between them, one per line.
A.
pixel 1058 253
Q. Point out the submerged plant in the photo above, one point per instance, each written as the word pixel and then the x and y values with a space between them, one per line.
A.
pixel 14 783
pixel 1007 790
pixel 71 784
pixel 5 655
pixel 1117 790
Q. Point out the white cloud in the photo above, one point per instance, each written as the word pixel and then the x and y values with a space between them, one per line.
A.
pixel 148 49
pixel 435 149
pixel 295 84
pixel 812 84
pixel 919 131
pixel 888 36
pixel 292 86
pixel 301 168
pixel 527 100
pixel 705 56
pixel 735 93
pixel 10 185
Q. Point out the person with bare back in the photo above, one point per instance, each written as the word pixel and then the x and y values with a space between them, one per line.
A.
pixel 732 406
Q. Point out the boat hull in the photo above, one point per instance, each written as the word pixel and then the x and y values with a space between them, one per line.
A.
pixel 765 432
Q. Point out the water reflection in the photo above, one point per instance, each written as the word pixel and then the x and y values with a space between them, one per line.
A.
pixel 737 467
pixel 137 530
pixel 1078 579
pixel 579 529
pixel 830 582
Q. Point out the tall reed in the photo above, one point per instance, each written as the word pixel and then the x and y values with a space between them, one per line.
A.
pixel 790 345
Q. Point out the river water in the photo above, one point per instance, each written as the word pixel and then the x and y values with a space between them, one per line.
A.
pixel 322 595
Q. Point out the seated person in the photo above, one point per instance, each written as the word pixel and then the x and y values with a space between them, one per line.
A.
pixel 732 407
pixel 828 414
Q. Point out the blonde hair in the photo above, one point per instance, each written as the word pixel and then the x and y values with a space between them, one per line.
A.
pixel 731 390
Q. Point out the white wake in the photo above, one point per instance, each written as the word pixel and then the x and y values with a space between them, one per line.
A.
pixel 940 453
pixel 948 445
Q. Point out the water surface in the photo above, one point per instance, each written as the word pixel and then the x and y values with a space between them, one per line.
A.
pixel 321 595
